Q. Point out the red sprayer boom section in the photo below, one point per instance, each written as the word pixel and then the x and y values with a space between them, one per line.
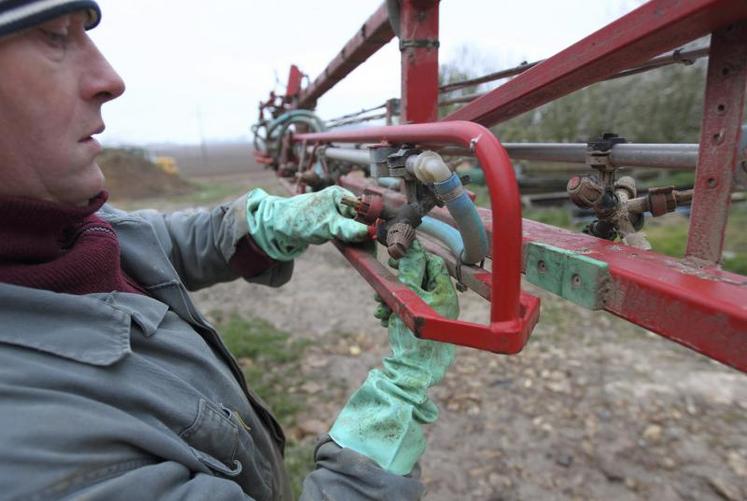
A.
pixel 691 301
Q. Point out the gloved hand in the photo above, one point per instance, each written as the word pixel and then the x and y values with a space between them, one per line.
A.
pixel 382 420
pixel 284 227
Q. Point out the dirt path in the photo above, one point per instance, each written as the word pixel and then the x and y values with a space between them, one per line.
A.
pixel 594 408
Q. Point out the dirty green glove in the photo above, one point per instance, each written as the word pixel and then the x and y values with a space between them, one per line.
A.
pixel 382 420
pixel 284 227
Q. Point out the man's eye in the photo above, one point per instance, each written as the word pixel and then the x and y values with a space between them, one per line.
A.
pixel 57 39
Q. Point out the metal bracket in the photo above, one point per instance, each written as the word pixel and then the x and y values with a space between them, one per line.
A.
pixel 419 44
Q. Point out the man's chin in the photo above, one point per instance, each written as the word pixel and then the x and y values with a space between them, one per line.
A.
pixel 87 186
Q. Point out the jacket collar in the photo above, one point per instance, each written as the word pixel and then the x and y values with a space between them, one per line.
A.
pixel 92 329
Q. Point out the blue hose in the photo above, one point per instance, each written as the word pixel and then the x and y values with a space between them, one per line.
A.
pixel 467 220
pixel 392 183
pixel 444 233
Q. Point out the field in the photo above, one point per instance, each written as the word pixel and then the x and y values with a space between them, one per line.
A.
pixel 593 408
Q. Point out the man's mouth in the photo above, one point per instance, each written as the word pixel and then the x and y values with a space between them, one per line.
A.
pixel 97 130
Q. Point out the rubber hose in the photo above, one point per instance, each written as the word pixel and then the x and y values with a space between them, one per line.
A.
pixel 444 233
pixel 393 183
pixel 467 220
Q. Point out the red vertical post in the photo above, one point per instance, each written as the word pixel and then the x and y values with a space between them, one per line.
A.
pixel 719 142
pixel 418 43
pixel 294 82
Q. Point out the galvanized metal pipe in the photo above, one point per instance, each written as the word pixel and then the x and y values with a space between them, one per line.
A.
pixel 663 156
pixel 346 155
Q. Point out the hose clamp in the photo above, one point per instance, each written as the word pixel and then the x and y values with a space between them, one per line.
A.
pixel 452 195
pixel 424 43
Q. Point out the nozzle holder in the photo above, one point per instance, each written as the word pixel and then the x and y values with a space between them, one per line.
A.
pixel 371 207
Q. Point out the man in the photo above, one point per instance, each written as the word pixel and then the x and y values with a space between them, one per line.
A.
pixel 112 384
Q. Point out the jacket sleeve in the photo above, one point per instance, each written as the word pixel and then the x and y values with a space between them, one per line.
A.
pixel 343 474
pixel 212 246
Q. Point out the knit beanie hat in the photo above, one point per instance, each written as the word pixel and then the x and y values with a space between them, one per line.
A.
pixel 16 15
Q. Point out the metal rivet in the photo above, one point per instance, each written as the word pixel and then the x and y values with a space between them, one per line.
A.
pixel 541 266
pixel 711 182
pixel 576 280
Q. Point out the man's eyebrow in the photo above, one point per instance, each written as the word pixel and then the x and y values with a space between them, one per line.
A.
pixel 65 19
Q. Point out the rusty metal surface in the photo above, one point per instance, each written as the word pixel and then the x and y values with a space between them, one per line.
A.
pixel 649 30
pixel 719 139
pixel 374 34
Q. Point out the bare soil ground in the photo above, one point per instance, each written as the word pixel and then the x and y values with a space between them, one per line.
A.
pixel 132 176
pixel 593 408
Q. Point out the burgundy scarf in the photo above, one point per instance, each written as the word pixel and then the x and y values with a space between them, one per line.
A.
pixel 60 248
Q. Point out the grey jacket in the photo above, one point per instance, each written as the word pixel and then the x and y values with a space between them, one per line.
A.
pixel 128 396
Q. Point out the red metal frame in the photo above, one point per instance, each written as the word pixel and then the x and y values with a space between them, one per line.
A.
pixel 419 47
pixel 512 314
pixel 294 82
pixel 719 142
pixel 689 301
pixel 703 309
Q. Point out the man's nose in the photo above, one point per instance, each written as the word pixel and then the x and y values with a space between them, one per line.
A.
pixel 102 83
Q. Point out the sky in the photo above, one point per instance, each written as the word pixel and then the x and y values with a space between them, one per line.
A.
pixel 196 70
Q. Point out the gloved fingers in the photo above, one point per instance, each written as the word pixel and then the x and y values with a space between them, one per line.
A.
pixel 382 312
pixel 337 193
pixel 441 295
pixel 348 230
pixel 412 267
pixel 436 272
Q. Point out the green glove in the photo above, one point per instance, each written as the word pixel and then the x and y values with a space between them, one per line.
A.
pixel 284 227
pixel 382 418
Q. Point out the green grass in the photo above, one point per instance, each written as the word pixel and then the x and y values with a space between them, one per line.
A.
pixel 210 192
pixel 556 217
pixel 271 360
pixel 670 238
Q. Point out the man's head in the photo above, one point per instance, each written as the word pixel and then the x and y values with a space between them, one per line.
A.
pixel 53 82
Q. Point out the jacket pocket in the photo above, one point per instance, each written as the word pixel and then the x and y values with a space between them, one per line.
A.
pixel 213 433
pixel 220 441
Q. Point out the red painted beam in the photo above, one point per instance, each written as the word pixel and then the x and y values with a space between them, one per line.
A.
pixel 294 82
pixel 719 142
pixel 419 47
pixel 373 35
pixel 703 309
pixel 653 28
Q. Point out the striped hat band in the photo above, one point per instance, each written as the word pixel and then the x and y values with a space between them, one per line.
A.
pixel 16 15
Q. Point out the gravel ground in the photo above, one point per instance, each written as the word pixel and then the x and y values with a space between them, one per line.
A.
pixel 593 408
